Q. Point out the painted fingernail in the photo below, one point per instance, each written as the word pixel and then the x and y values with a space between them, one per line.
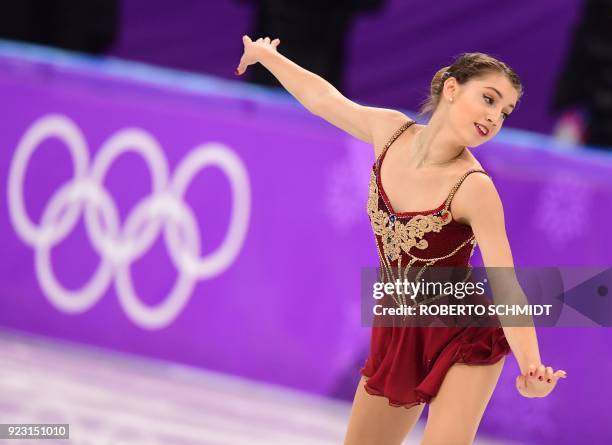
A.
pixel 540 378
pixel 531 373
pixel 548 380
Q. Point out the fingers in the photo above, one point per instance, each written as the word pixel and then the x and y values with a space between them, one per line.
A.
pixel 532 370
pixel 549 374
pixel 538 381
pixel 241 66
pixel 238 71
pixel 544 373
pixel 246 40
pixel 274 43
pixel 540 372
pixel 267 40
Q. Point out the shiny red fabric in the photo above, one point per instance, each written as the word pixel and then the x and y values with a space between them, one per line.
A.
pixel 407 364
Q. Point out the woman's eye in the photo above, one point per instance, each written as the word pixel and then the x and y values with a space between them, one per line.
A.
pixel 487 98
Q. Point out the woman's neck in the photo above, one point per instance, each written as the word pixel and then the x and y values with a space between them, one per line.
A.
pixel 433 146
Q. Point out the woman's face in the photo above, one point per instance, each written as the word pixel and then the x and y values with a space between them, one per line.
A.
pixel 487 101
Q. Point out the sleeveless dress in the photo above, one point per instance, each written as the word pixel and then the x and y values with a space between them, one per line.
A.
pixel 407 364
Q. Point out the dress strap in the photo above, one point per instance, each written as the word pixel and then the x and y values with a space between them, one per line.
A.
pixel 392 139
pixel 458 184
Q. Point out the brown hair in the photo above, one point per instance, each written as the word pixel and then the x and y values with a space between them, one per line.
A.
pixel 467 66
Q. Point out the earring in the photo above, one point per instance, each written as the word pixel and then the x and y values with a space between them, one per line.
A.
pixel 451 99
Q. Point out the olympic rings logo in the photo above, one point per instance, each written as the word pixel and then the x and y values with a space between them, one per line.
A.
pixel 119 246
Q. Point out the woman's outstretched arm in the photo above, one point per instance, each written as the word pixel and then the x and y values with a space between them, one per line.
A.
pixel 369 124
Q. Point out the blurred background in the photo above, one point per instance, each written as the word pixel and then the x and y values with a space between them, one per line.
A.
pixel 172 235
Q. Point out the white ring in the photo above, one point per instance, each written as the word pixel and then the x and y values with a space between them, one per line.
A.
pixel 43 128
pixel 200 157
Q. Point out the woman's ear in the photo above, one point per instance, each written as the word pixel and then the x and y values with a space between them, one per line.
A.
pixel 450 88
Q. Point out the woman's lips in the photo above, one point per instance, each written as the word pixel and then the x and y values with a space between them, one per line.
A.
pixel 479 131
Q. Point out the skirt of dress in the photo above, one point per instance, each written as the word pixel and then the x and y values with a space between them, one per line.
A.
pixel 407 364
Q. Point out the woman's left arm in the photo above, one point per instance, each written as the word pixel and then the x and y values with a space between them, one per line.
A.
pixel 477 202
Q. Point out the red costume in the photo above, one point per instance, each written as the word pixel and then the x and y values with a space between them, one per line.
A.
pixel 407 364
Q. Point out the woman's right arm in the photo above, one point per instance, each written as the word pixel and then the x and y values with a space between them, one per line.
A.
pixel 369 124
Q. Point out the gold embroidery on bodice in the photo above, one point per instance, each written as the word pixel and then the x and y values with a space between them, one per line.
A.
pixel 397 235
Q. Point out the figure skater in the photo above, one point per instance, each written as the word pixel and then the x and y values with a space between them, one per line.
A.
pixel 453 369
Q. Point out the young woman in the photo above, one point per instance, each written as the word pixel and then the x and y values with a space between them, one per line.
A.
pixel 454 370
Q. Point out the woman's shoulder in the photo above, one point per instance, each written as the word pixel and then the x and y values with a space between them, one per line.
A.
pixel 386 129
pixel 470 190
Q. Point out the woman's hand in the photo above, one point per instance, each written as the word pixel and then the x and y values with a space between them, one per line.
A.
pixel 253 50
pixel 539 381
